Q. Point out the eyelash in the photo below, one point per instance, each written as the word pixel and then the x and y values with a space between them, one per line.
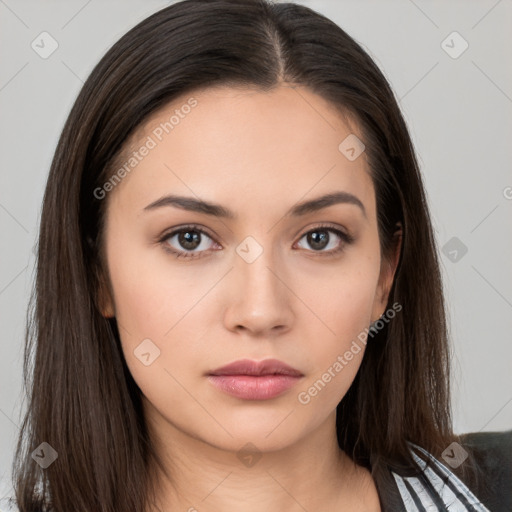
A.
pixel 345 237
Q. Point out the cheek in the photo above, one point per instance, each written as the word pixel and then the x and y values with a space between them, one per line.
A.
pixel 152 294
pixel 335 359
pixel 169 304
pixel 153 301
pixel 159 313
pixel 340 296
pixel 342 305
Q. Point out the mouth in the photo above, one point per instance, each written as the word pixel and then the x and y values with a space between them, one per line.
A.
pixel 255 380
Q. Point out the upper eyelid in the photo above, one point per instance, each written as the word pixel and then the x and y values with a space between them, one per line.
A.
pixel 191 227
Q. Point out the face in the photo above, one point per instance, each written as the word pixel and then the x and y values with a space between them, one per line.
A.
pixel 258 276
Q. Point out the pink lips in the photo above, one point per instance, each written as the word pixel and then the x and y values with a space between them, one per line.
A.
pixel 255 380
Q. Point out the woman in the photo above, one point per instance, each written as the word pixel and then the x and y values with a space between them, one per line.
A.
pixel 238 299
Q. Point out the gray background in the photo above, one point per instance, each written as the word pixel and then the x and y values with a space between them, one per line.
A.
pixel 459 111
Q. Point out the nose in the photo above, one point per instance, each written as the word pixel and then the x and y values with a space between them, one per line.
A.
pixel 261 299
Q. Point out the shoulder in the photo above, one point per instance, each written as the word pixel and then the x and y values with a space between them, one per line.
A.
pixel 492 444
pixel 492 456
pixel 473 474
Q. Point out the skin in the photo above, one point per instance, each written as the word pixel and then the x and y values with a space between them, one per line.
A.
pixel 258 154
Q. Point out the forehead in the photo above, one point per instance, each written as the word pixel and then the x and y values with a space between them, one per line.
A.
pixel 280 144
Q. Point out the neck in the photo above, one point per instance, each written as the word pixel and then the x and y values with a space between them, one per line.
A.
pixel 312 474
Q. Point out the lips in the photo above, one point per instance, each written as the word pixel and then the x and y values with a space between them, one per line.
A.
pixel 250 367
pixel 255 380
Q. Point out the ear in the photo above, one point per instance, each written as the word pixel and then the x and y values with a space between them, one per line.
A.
pixel 104 295
pixel 105 301
pixel 388 268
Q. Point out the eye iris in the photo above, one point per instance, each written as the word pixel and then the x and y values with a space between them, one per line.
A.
pixel 188 240
pixel 318 241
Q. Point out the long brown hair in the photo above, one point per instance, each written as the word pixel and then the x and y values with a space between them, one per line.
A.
pixel 82 400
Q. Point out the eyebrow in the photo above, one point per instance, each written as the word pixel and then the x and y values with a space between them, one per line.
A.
pixel 217 210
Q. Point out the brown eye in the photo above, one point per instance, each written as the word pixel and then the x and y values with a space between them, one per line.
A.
pixel 187 242
pixel 328 237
